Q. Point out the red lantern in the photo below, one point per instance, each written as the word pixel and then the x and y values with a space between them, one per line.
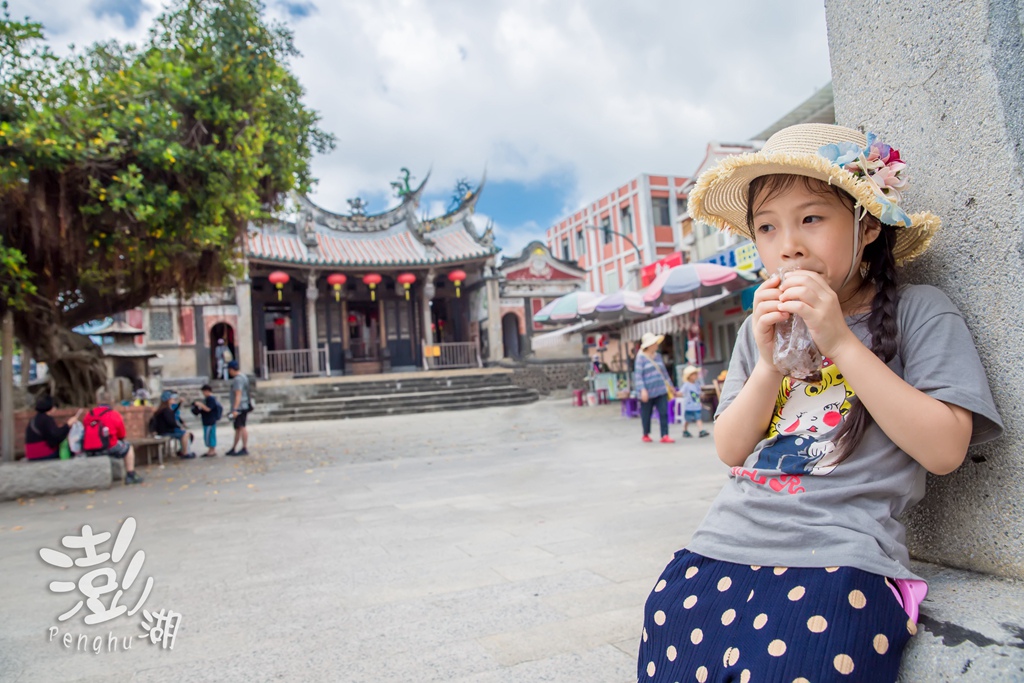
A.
pixel 279 279
pixel 279 322
pixel 371 280
pixel 352 320
pixel 458 277
pixel 337 280
pixel 406 280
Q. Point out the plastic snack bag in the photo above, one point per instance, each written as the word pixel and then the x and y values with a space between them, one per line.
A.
pixel 795 354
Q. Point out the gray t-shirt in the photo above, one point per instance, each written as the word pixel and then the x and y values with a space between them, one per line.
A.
pixel 240 383
pixel 791 505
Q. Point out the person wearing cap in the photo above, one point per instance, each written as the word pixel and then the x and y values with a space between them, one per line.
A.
pixel 800 571
pixel 241 405
pixel 42 435
pixel 692 406
pixel 653 385
pixel 167 422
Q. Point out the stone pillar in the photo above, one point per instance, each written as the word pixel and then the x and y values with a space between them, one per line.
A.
pixel 495 341
pixel 246 340
pixel 312 294
pixel 944 84
pixel 429 291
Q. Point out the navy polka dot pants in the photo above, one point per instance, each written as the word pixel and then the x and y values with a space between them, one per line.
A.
pixel 715 622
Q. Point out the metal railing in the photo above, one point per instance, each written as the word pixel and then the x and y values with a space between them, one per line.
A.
pixel 451 355
pixel 297 363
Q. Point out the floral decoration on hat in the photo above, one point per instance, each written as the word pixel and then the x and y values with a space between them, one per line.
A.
pixel 880 166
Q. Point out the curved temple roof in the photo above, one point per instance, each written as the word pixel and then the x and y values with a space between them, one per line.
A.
pixel 392 238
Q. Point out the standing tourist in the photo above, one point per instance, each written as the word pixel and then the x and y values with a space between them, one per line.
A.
pixel 653 385
pixel 241 405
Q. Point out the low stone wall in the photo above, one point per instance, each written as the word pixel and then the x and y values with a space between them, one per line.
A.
pixel 549 375
pixel 29 479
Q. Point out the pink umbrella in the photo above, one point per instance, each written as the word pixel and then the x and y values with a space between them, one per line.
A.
pixel 696 281
pixel 622 305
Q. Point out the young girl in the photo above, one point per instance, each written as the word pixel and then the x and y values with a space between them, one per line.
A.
pixel 799 571
pixel 692 406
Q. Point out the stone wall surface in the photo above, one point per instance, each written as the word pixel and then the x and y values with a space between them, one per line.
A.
pixel 944 83
pixel 29 479
pixel 545 377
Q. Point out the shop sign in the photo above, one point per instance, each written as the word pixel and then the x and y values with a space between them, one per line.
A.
pixel 649 272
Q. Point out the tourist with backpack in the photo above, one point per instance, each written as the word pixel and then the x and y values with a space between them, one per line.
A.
pixel 104 434
pixel 167 422
pixel 210 410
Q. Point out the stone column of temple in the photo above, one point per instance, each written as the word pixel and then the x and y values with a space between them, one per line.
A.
pixel 246 334
pixel 312 294
pixel 944 84
pixel 429 291
pixel 495 341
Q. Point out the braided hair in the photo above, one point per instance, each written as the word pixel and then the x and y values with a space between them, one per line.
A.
pixel 879 269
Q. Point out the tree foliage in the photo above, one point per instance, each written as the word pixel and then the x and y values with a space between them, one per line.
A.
pixel 132 172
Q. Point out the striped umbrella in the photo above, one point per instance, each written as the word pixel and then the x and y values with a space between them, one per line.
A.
pixel 696 281
pixel 565 309
pixel 623 305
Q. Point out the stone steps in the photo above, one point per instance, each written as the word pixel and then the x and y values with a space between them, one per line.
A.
pixel 405 408
pixel 385 396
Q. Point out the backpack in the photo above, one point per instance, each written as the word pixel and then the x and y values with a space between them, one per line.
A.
pixel 96 435
pixel 217 410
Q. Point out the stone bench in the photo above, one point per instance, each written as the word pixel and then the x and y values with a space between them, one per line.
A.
pixel 27 479
pixel 971 629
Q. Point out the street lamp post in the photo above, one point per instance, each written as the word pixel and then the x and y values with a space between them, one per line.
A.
pixel 639 256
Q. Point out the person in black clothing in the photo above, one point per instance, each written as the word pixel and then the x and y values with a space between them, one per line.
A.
pixel 166 423
pixel 43 436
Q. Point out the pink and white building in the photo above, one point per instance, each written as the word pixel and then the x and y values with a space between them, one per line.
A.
pixel 646 209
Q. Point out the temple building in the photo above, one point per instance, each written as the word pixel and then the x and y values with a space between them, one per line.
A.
pixel 333 294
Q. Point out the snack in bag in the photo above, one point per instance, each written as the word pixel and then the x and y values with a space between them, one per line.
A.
pixel 795 354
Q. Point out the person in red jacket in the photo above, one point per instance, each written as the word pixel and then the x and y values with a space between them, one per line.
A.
pixel 105 435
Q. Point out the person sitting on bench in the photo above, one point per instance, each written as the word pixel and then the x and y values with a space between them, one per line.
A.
pixel 167 423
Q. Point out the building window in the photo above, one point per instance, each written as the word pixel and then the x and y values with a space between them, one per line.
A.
pixel 661 213
pixel 606 229
pixel 581 247
pixel 681 206
pixel 161 326
pixel 565 250
pixel 708 229
pixel 611 281
pixel 626 221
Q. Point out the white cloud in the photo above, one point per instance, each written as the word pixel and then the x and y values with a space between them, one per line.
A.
pixel 598 89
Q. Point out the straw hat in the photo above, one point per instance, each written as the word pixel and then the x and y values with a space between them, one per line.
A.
pixel 650 339
pixel 689 370
pixel 833 154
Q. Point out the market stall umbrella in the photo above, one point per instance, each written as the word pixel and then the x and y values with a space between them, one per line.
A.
pixel 622 306
pixel 696 281
pixel 566 308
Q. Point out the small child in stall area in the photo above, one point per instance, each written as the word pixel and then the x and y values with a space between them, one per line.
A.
pixel 692 406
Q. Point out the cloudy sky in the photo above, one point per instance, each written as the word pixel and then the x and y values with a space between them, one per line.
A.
pixel 560 100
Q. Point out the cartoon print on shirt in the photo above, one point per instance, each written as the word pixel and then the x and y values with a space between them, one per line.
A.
pixel 806 414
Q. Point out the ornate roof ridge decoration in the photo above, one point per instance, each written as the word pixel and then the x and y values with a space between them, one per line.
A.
pixel 394 238
pixel 528 253
pixel 313 214
pixel 465 209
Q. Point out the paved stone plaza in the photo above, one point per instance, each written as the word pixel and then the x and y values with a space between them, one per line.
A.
pixel 503 544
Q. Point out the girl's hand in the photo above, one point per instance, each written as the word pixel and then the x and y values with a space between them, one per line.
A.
pixel 805 293
pixel 644 397
pixel 766 313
